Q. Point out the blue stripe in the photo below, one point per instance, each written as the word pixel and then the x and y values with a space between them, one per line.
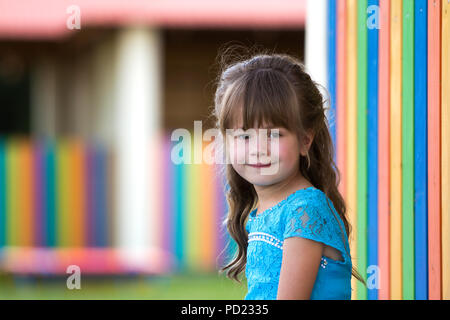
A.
pixel 51 194
pixel 420 150
pixel 372 145
pixel 231 245
pixel 100 187
pixel 332 65
pixel 179 204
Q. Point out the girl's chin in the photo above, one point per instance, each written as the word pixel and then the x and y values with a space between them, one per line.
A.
pixel 262 180
pixel 270 172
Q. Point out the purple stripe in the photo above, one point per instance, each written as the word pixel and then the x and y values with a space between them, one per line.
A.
pixel 220 216
pixel 168 223
pixel 39 196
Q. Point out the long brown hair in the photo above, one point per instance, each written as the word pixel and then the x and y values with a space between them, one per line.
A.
pixel 275 89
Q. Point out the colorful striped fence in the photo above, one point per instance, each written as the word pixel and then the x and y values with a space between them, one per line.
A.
pixel 391 91
pixel 56 209
pixel 195 207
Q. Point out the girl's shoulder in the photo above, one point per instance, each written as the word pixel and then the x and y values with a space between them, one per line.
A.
pixel 312 215
pixel 312 200
pixel 308 195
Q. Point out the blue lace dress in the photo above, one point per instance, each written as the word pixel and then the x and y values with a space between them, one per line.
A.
pixel 305 213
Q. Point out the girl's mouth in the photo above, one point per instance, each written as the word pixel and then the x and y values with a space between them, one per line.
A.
pixel 259 165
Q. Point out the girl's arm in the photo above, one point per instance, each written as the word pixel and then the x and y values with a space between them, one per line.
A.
pixel 299 267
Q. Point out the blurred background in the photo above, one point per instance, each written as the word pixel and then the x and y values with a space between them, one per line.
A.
pixel 90 92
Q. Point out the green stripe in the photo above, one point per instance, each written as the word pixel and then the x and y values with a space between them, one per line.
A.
pixel 361 189
pixel 408 151
pixel 2 192
pixel 12 194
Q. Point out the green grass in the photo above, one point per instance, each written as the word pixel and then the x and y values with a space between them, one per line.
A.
pixel 180 286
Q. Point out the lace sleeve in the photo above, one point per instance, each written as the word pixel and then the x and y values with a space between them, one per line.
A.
pixel 311 221
pixel 303 221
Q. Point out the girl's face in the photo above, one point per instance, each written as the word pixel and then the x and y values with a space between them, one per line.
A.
pixel 264 156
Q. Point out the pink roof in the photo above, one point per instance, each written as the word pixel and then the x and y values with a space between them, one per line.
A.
pixel 47 18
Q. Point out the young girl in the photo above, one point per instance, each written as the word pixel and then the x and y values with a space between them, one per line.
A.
pixel 292 240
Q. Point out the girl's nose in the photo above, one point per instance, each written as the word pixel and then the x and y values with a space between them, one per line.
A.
pixel 259 144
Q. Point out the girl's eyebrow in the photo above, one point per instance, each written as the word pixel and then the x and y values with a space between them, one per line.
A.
pixel 264 127
pixel 273 127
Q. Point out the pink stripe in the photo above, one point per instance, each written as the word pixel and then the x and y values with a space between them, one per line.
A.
pixel 341 96
pixel 384 150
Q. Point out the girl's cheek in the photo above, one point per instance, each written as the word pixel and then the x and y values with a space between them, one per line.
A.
pixel 283 150
pixel 287 152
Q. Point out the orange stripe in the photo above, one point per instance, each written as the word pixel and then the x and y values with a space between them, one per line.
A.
pixel 78 211
pixel 207 214
pixel 25 222
pixel 434 141
pixel 445 151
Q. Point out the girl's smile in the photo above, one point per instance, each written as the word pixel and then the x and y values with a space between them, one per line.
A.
pixel 260 165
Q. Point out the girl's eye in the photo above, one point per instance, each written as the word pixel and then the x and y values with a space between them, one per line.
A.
pixel 243 136
pixel 273 134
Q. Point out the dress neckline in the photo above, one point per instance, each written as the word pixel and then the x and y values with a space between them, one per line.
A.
pixel 253 212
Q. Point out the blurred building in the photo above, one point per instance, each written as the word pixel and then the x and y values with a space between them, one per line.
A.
pixel 108 80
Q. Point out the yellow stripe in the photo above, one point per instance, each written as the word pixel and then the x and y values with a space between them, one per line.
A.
pixel 396 148
pixel 78 212
pixel 445 148
pixel 193 223
pixel 351 132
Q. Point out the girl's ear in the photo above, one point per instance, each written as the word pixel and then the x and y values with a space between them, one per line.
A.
pixel 306 142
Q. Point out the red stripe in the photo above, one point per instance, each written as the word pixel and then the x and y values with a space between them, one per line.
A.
pixel 341 95
pixel 383 153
